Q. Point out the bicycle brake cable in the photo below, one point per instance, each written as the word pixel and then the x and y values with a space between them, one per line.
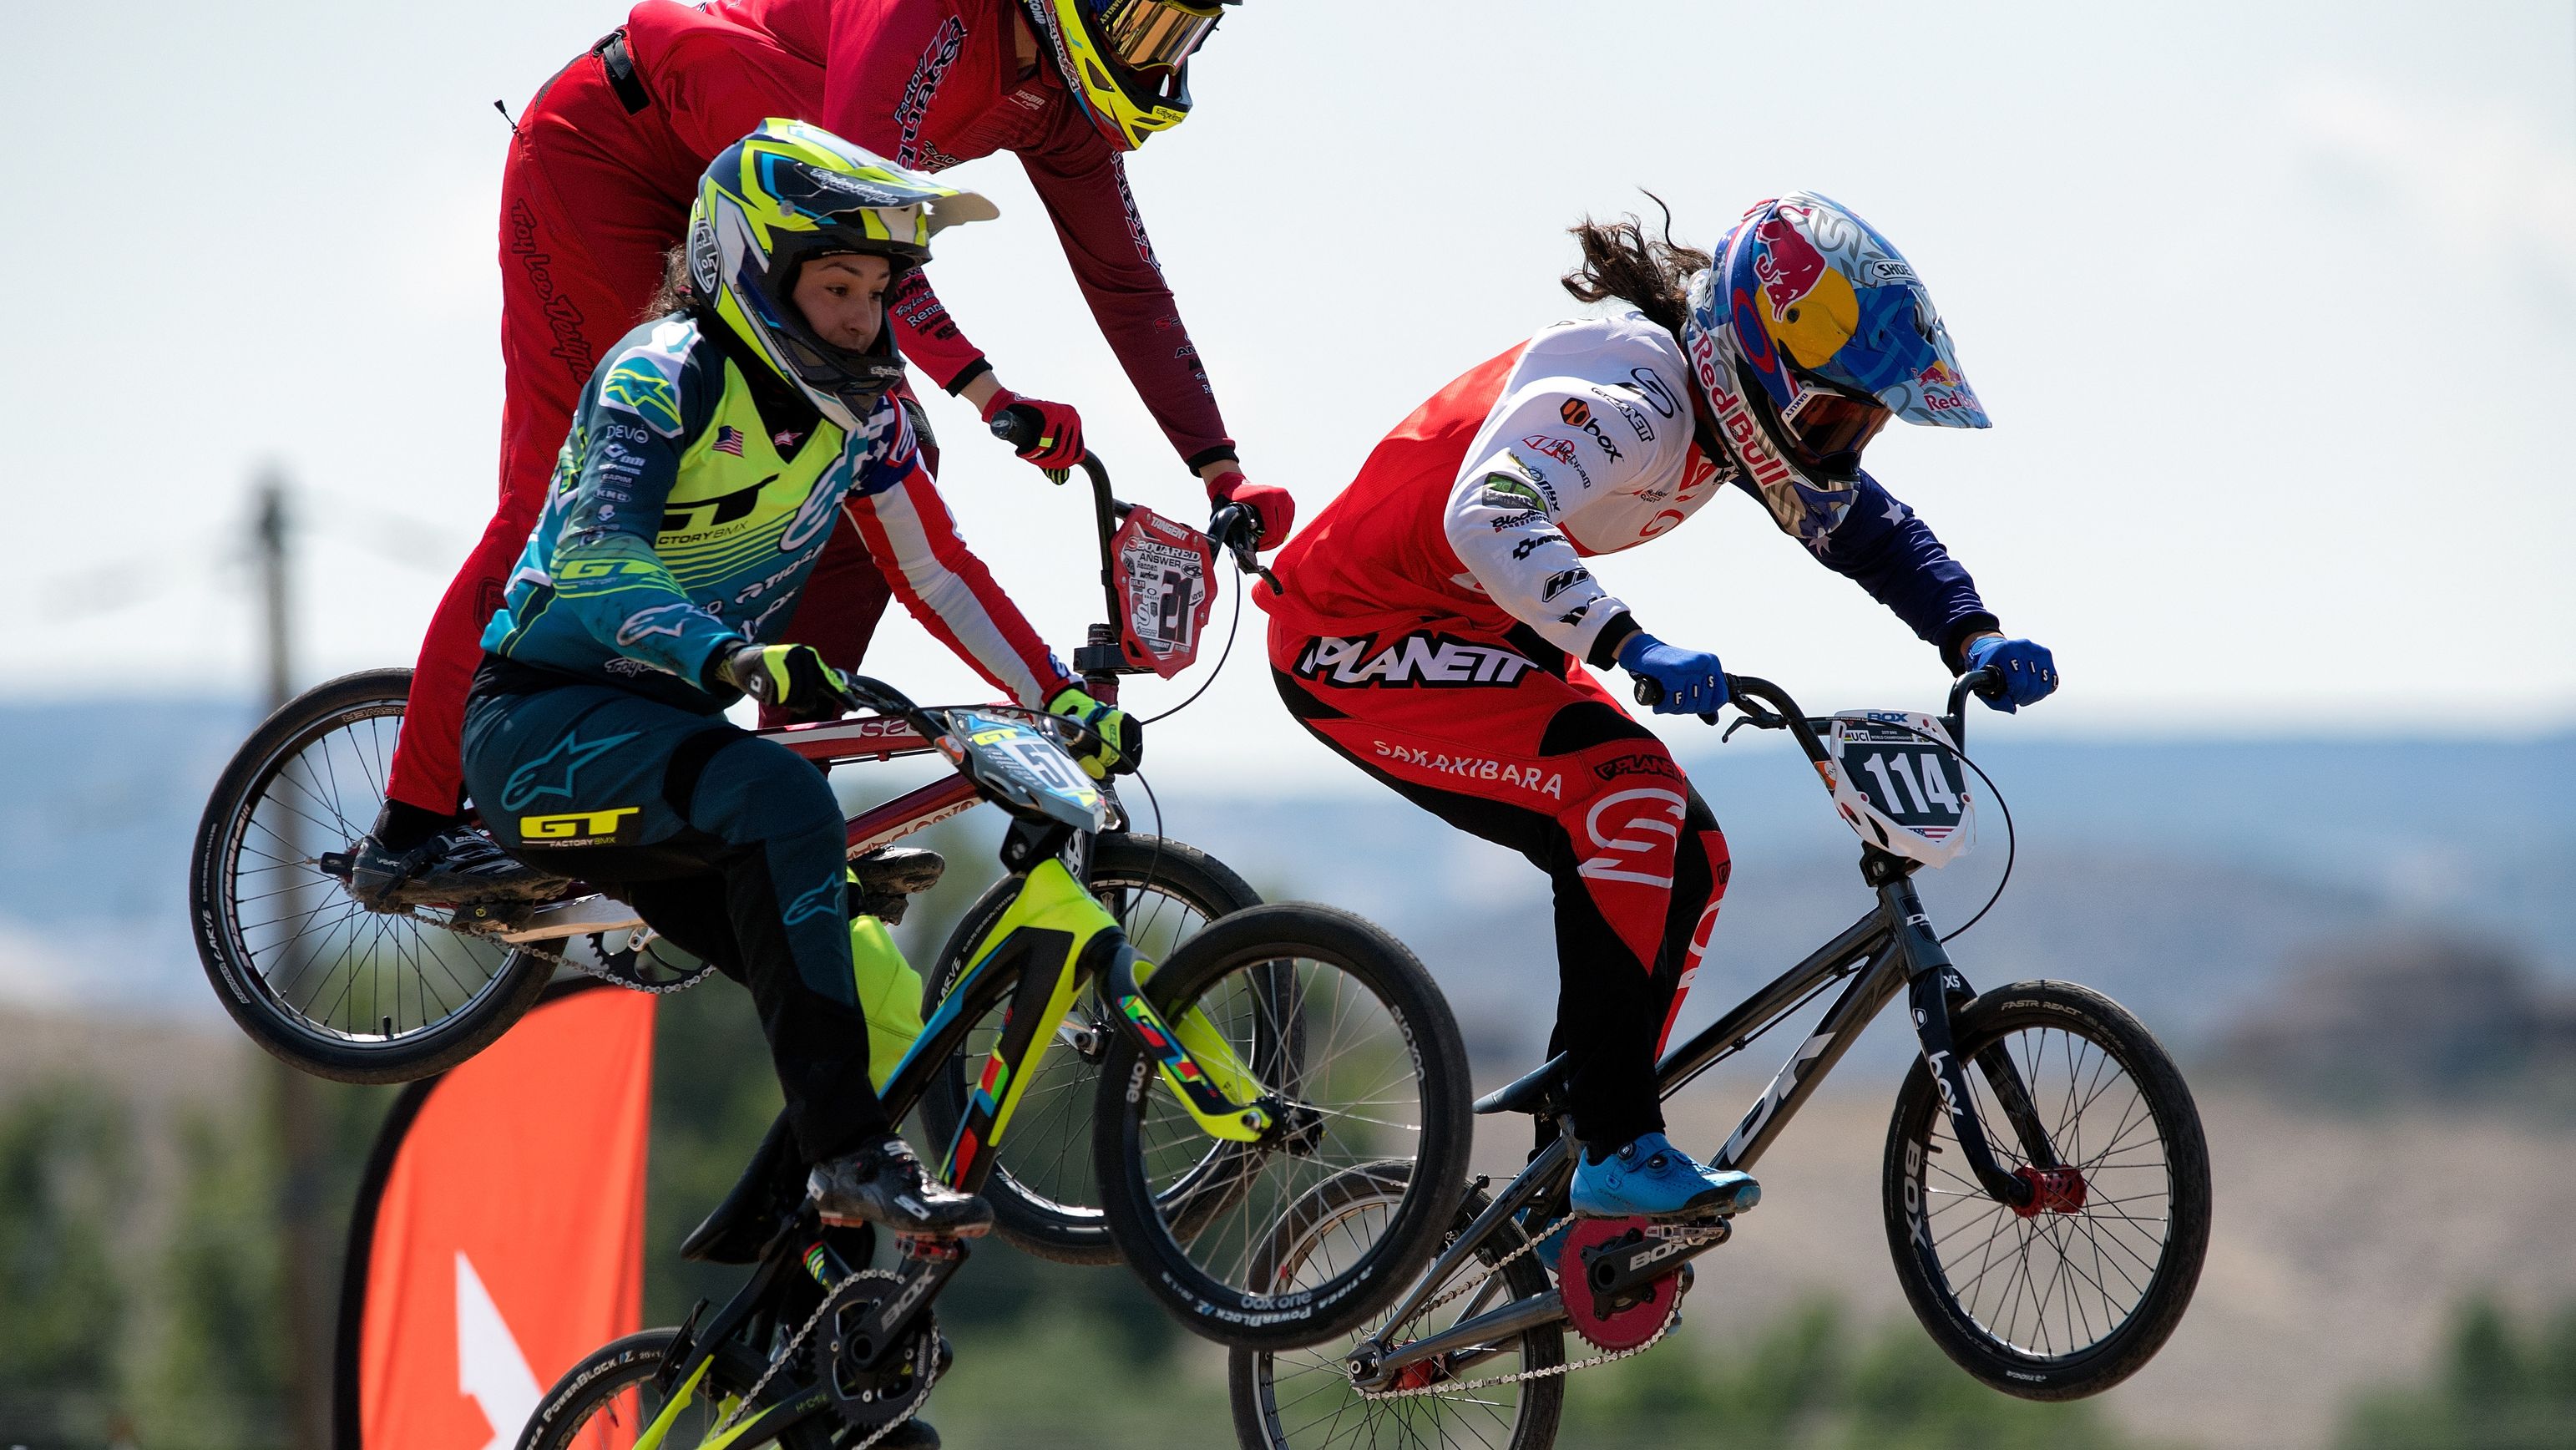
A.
pixel 1231 630
pixel 2012 837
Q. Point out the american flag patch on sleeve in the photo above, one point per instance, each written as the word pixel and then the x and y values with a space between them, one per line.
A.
pixel 728 439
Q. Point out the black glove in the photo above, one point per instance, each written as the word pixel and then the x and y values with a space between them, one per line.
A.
pixel 790 677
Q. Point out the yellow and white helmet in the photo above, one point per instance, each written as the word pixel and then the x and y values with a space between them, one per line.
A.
pixel 1127 61
pixel 785 195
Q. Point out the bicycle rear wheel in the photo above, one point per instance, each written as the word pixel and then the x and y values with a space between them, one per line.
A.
pixel 1338 1020
pixel 2075 1296
pixel 1044 1193
pixel 1302 1399
pixel 316 979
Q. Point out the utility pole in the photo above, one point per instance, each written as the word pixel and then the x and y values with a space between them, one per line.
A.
pixel 294 1103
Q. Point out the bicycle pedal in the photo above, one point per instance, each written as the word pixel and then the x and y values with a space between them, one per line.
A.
pixel 335 864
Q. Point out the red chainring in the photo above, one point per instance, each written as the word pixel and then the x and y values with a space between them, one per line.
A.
pixel 1626 1327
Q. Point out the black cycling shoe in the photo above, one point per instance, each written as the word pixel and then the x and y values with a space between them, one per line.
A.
pixel 883 1183
pixel 455 864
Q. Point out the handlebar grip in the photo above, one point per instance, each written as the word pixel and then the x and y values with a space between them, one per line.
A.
pixel 1018 425
pixel 1649 691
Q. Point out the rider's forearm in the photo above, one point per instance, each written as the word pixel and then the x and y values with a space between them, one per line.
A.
pixel 1084 189
pixel 1888 550
pixel 929 338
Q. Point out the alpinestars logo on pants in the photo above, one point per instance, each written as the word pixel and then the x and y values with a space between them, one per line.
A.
pixel 1431 661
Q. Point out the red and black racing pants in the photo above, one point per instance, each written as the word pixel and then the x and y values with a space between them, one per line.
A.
pixel 1499 734
pixel 592 198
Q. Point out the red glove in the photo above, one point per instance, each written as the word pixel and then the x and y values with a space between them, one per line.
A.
pixel 1059 436
pixel 1272 505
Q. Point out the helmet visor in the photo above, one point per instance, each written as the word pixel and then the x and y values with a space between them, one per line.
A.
pixel 1831 427
pixel 1153 35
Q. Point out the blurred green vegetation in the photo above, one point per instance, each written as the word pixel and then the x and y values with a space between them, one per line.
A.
pixel 1816 1381
pixel 140 1301
pixel 2499 1385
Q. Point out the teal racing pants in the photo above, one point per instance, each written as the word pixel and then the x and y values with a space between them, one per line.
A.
pixel 729 845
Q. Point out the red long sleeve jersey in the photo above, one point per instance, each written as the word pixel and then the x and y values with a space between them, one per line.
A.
pixel 932 83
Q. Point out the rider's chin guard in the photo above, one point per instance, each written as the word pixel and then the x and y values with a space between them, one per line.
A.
pixel 1898 780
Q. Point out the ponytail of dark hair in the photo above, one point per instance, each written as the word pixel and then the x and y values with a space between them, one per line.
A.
pixel 676 294
pixel 1621 262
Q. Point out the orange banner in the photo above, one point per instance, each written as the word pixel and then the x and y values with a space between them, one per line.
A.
pixel 504 1235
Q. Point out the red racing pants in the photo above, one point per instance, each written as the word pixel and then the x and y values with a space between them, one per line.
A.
pixel 1501 735
pixel 592 198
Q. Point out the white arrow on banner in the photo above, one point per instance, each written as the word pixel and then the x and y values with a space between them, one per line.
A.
pixel 490 1370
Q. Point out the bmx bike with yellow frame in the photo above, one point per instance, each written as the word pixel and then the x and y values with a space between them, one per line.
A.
pixel 1279 1048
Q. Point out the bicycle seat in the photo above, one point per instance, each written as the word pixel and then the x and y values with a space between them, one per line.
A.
pixel 742 1225
pixel 1540 1093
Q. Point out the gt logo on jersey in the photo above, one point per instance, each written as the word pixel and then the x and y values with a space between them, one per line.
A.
pixel 727 508
pixel 1434 661
pixel 580 828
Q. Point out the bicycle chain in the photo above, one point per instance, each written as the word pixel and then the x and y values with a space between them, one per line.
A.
pixel 1451 1387
pixel 787 1351
pixel 609 974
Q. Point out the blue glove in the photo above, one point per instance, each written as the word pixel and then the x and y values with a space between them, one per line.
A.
pixel 1693 682
pixel 2029 671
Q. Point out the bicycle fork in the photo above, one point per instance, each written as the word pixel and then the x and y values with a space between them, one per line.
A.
pixel 1932 986
pixel 1064 936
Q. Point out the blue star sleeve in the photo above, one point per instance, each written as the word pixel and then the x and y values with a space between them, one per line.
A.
pixel 1883 546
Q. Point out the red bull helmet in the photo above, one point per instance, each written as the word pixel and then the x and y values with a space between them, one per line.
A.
pixel 1808 333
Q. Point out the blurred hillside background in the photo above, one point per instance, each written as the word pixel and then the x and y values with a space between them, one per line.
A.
pixel 2272 305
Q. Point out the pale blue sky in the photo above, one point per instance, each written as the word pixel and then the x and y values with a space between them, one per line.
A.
pixel 2273 307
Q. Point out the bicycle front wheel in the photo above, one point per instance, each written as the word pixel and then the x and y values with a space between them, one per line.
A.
pixel 609 1399
pixel 1343 1028
pixel 315 978
pixel 1045 1196
pixel 2077 1291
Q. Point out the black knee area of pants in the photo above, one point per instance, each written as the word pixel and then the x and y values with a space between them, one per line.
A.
pixel 1587 723
pixel 689 763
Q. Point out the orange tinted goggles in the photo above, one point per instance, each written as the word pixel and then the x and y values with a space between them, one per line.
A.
pixel 1825 423
pixel 1153 34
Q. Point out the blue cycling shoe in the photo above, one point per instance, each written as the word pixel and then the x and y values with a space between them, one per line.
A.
pixel 1651 1178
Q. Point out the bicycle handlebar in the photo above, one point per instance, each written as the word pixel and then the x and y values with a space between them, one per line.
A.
pixel 1749 694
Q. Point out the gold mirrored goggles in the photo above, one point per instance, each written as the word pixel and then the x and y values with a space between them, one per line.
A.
pixel 1153 34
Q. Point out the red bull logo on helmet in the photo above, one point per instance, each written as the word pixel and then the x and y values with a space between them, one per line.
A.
pixel 1787 264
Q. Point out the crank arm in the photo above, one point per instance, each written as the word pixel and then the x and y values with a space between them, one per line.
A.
pixel 578 917
pixel 923 1275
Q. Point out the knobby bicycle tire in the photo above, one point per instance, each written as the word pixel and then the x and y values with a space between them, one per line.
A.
pixel 1270 943
pixel 232 827
pixel 2118 1272
pixel 1063 1221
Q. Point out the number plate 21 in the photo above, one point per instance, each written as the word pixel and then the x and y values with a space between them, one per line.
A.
pixel 1900 785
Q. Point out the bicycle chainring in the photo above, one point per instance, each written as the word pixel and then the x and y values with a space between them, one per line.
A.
pixel 896 1389
pixel 1637 1317
pixel 639 967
